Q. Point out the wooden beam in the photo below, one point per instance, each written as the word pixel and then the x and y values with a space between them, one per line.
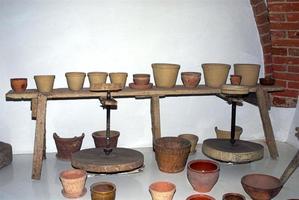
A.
pixel 33 108
pixel 155 117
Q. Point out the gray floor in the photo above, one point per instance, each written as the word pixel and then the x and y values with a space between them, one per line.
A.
pixel 16 183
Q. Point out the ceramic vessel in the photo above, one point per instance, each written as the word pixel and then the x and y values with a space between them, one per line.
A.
pixel 162 190
pixel 18 84
pixel 165 75
pixel 200 197
pixel 141 79
pixel 99 138
pixel 203 174
pixel 171 153
pixel 103 191
pixel 222 134
pixel 97 77
pixel 118 78
pixel 44 83
pixel 235 79
pixel 215 74
pixel 73 183
pixel 193 139
pixel 233 196
pixel 67 146
pixel 140 87
pixel 75 80
pixel 249 73
pixel 190 79
pixel 267 81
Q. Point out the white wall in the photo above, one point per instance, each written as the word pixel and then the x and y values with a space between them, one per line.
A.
pixel 56 36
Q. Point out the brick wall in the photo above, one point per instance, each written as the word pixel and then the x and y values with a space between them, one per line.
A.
pixel 278 25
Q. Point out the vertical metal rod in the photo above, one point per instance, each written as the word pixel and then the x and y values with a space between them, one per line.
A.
pixel 108 149
pixel 233 123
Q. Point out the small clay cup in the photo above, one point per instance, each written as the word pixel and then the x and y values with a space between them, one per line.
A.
pixel 118 78
pixel 235 79
pixel 162 190
pixel 73 183
pixel 193 139
pixel 233 196
pixel 97 77
pixel 190 79
pixel 267 81
pixel 75 80
pixel 44 83
pixel 99 138
pixel 18 84
pixel 141 79
pixel 103 191
pixel 203 174
pixel 200 197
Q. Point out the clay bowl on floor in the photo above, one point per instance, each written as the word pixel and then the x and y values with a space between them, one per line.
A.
pixel 200 197
pixel 103 191
pixel 193 139
pixel 99 138
pixel 233 196
pixel 222 134
pixel 162 190
pixel 261 186
pixel 141 79
pixel 190 79
pixel 267 81
pixel 18 84
pixel 202 174
pixel 73 183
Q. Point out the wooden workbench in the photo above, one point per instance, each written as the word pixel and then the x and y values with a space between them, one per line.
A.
pixel 258 94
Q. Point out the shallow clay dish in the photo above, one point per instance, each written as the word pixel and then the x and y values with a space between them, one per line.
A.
pixel 105 87
pixel 234 89
pixel 140 87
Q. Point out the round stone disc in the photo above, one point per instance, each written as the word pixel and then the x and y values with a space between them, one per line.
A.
pixel 240 152
pixel 119 160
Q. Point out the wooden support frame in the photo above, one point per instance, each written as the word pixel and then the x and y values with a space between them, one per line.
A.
pixel 155 117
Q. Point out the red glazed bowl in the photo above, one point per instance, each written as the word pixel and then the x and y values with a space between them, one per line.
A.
pixel 203 174
pixel 141 79
pixel 18 84
pixel 200 197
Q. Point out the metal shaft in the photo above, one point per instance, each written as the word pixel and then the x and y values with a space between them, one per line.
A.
pixel 108 149
pixel 233 123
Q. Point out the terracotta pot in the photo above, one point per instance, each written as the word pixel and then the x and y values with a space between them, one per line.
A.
pixel 44 83
pixel 99 138
pixel 233 196
pixel 200 197
pixel 203 174
pixel 97 77
pixel 73 183
pixel 75 80
pixel 215 74
pixel 165 75
pixel 249 73
pixel 118 78
pixel 141 79
pixel 235 79
pixel 222 134
pixel 18 84
pixel 190 79
pixel 193 139
pixel 171 153
pixel 162 190
pixel 103 191
pixel 267 81
pixel 67 146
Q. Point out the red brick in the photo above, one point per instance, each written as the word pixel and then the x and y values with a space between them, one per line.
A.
pixel 293 68
pixel 284 26
pixel 292 16
pixel 268 69
pixel 286 42
pixel 285 60
pixel 279 51
pixel 288 93
pixel 286 102
pixel 267 48
pixel 266 39
pixel 281 83
pixel 279 68
pixel 293 34
pixel 255 2
pixel 277 17
pixel 293 52
pixel 259 8
pixel 261 19
pixel 294 85
pixel 286 76
pixel 265 28
pixel 268 58
pixel 276 1
pixel 278 34
pixel 279 101
pixel 283 7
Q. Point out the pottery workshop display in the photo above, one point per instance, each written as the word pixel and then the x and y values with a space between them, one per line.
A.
pixel 97 77
pixel 75 80
pixel 193 139
pixel 118 78
pixel 190 79
pixel 73 183
pixel 141 81
pixel 249 73
pixel 103 191
pixel 215 74
pixel 44 83
pixel 200 197
pixel 162 190
pixel 99 138
pixel 18 84
pixel 165 74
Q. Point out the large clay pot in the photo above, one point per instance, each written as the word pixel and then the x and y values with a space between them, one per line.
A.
pixel 171 153
pixel 67 146
pixel 97 77
pixel 103 191
pixel 215 74
pixel 162 190
pixel 44 83
pixel 193 139
pixel 165 75
pixel 249 73
pixel 200 197
pixel 222 134
pixel 190 79
pixel 18 84
pixel 73 183
pixel 118 78
pixel 75 80
pixel 99 138
pixel 203 174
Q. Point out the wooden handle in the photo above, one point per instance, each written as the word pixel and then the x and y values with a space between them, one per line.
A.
pixel 290 169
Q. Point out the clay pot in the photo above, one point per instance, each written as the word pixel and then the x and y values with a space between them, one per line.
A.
pixel 200 197
pixel 18 84
pixel 67 146
pixel 235 79
pixel 141 79
pixel 165 75
pixel 97 77
pixel 44 83
pixel 171 153
pixel 203 174
pixel 215 74
pixel 118 78
pixel 233 196
pixel 75 80
pixel 103 191
pixel 249 73
pixel 267 81
pixel 190 79
pixel 193 139
pixel 162 190
pixel 73 183
pixel 222 134
pixel 99 138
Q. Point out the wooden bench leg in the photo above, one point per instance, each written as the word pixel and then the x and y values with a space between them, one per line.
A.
pixel 155 117
pixel 267 126
pixel 39 136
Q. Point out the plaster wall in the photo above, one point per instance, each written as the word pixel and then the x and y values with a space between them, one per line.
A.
pixel 57 36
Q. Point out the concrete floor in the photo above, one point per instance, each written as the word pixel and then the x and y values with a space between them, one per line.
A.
pixel 16 183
